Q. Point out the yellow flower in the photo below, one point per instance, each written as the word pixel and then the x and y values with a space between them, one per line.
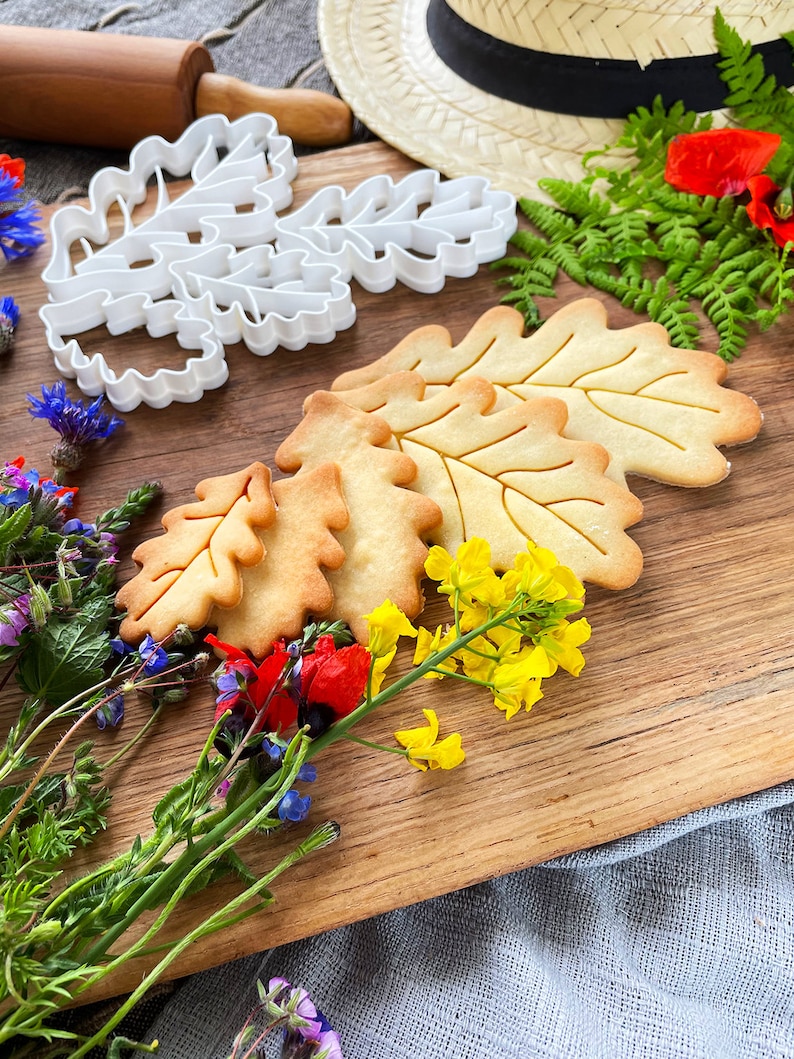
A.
pixel 469 574
pixel 387 624
pixel 422 746
pixel 428 643
pixel 563 644
pixel 478 658
pixel 537 573
pixel 517 680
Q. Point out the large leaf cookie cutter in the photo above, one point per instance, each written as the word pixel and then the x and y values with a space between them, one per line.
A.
pixel 218 264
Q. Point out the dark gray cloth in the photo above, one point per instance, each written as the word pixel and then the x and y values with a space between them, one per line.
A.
pixel 272 43
pixel 677 942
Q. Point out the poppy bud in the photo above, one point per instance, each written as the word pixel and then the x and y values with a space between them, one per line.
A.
pixel 784 204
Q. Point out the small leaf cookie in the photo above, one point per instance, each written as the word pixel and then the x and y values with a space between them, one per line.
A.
pixel 660 412
pixel 510 475
pixel 384 540
pixel 288 585
pixel 194 565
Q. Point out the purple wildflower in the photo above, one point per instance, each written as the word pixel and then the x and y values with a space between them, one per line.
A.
pixel 94 547
pixel 120 647
pixel 231 683
pixel 307 773
pixel 14 617
pixel 15 486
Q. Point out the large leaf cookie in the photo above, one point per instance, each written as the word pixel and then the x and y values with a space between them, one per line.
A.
pixel 660 412
pixel 384 540
pixel 510 475
pixel 196 563
pixel 289 585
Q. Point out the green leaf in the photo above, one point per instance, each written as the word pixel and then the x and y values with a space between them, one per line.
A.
pixel 13 524
pixel 65 658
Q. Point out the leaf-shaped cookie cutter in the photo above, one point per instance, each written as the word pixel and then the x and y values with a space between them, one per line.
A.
pixel 247 274
pixel 378 233
pixel 206 371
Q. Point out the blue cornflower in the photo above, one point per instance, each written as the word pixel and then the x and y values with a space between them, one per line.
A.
pixel 77 425
pixel 294 808
pixel 72 420
pixel 154 658
pixel 111 712
pixel 9 318
pixel 19 234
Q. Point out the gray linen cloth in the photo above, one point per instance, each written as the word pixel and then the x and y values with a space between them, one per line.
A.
pixel 676 943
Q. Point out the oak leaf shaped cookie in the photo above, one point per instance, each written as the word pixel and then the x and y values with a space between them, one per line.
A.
pixel 660 412
pixel 384 540
pixel 510 475
pixel 194 565
pixel 288 585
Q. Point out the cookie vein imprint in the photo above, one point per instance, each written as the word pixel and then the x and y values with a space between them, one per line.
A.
pixel 659 411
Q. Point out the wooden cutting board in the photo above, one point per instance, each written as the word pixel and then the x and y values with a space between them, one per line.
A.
pixel 687 698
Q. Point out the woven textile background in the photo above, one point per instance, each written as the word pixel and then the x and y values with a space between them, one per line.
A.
pixel 677 943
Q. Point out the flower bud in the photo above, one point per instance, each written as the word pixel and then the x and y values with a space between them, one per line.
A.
pixel 40 606
pixel 9 317
pixel 63 590
pixel 784 204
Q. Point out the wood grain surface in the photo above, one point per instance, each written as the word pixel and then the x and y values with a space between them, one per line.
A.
pixel 687 698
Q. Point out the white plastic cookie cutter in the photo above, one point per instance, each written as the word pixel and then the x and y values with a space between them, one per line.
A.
pixel 217 265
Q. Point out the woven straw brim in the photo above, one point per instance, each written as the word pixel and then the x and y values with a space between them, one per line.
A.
pixel 382 63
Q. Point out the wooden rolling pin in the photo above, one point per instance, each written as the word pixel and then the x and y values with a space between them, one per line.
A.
pixel 111 90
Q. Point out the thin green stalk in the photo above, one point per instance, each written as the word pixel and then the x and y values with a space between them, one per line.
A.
pixel 217 921
pixel 344 724
pixel 213 842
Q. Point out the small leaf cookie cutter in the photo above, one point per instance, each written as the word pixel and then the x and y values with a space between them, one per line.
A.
pixel 218 264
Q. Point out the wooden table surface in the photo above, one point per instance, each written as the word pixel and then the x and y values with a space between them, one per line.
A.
pixel 687 698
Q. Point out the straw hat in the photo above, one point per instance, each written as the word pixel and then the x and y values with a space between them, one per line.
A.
pixel 520 89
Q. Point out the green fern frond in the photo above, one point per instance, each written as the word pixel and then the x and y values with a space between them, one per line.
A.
pixel 576 199
pixel 623 224
pixel 547 219
pixel 658 301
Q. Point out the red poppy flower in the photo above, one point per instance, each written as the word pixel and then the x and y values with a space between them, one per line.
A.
pixel 718 161
pixel 263 695
pixel 332 682
pixel 761 209
pixel 15 167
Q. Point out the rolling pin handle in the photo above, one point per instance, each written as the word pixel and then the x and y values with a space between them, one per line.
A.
pixel 309 117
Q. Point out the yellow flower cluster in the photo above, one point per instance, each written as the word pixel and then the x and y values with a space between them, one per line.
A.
pixel 522 616
pixel 510 632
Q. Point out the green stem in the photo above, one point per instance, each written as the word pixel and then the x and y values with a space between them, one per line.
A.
pixel 344 724
pixel 375 746
pixel 217 921
pixel 213 843
pixel 135 739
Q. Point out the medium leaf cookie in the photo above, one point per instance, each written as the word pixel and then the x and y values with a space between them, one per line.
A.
pixel 509 475
pixel 289 584
pixel 194 565
pixel 660 412
pixel 384 542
